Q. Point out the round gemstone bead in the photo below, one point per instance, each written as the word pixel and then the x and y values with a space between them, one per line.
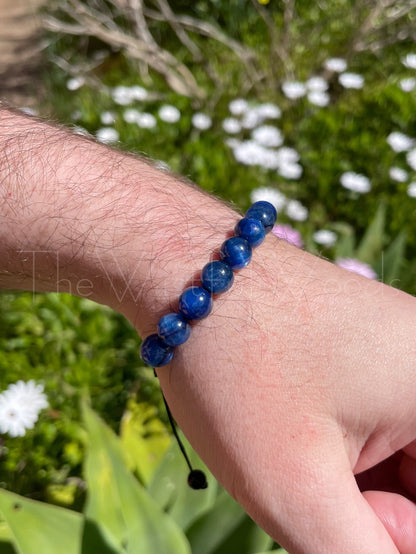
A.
pixel 155 352
pixel 236 252
pixel 217 277
pixel 251 230
pixel 195 303
pixel 173 329
pixel 265 212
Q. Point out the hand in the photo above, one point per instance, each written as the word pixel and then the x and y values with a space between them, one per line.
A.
pixel 303 376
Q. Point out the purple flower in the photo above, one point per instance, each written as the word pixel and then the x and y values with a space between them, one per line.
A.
pixel 355 266
pixel 288 233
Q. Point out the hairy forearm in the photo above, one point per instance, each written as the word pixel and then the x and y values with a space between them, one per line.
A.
pixel 80 217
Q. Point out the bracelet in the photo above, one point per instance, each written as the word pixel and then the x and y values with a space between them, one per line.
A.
pixel 196 302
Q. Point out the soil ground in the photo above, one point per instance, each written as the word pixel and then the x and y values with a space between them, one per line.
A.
pixel 20 47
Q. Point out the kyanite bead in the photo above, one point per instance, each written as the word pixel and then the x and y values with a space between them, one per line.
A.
pixel 236 252
pixel 173 329
pixel 217 277
pixel 250 229
pixel 265 212
pixel 195 303
pixel 155 352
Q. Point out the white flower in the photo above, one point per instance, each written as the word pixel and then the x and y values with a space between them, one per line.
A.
pixel 20 405
pixel 411 159
pixel 317 84
pixel 351 80
pixel 251 119
pixel 407 85
pixel 400 142
pixel 169 114
pixel 75 83
pixel 131 115
pixel 137 92
pixel 146 120
pixel 409 61
pixel 411 190
pixel 78 130
pixel 201 121
pixel 267 135
pixel 287 155
pixel 398 174
pixel 290 170
pixel 122 95
pixel 238 106
pixel 269 111
pixel 355 182
pixel 269 194
pixel 108 118
pixel 231 125
pixel 28 110
pixel 293 89
pixel 325 237
pixel 319 98
pixel 336 64
pixel 107 135
pixel 250 152
pixel 296 211
pixel 162 166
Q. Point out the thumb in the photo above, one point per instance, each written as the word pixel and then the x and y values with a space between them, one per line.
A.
pixel 398 515
pixel 329 514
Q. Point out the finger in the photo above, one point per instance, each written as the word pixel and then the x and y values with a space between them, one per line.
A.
pixel 325 512
pixel 410 449
pixel 398 515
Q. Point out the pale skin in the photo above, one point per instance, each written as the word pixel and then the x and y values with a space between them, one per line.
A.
pixel 302 376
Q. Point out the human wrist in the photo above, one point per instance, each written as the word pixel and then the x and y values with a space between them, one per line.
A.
pixel 86 219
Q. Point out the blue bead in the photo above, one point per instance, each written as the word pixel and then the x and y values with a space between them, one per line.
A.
pixel 173 329
pixel 195 303
pixel 251 230
pixel 155 352
pixel 236 252
pixel 217 277
pixel 265 212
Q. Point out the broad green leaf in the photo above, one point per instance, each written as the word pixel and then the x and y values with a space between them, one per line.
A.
pixel 6 540
pixel 388 267
pixel 144 439
pixel 345 246
pixel 278 551
pixel 372 243
pixel 209 531
pixel 122 510
pixel 169 486
pixel 52 529
pixel 246 538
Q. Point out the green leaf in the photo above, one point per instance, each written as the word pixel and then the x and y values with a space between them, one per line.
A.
pixel 169 486
pixel 52 529
pixel 278 551
pixel 345 246
pixel 388 267
pixel 6 539
pixel 246 538
pixel 144 439
pixel 129 519
pixel 209 531
pixel 373 240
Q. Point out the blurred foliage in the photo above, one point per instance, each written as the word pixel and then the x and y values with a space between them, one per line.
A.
pixel 123 515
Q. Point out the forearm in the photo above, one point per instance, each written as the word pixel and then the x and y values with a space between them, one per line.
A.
pixel 79 217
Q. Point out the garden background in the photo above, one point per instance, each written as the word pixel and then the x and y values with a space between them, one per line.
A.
pixel 311 106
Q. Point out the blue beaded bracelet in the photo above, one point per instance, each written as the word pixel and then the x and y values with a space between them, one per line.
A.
pixel 196 302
